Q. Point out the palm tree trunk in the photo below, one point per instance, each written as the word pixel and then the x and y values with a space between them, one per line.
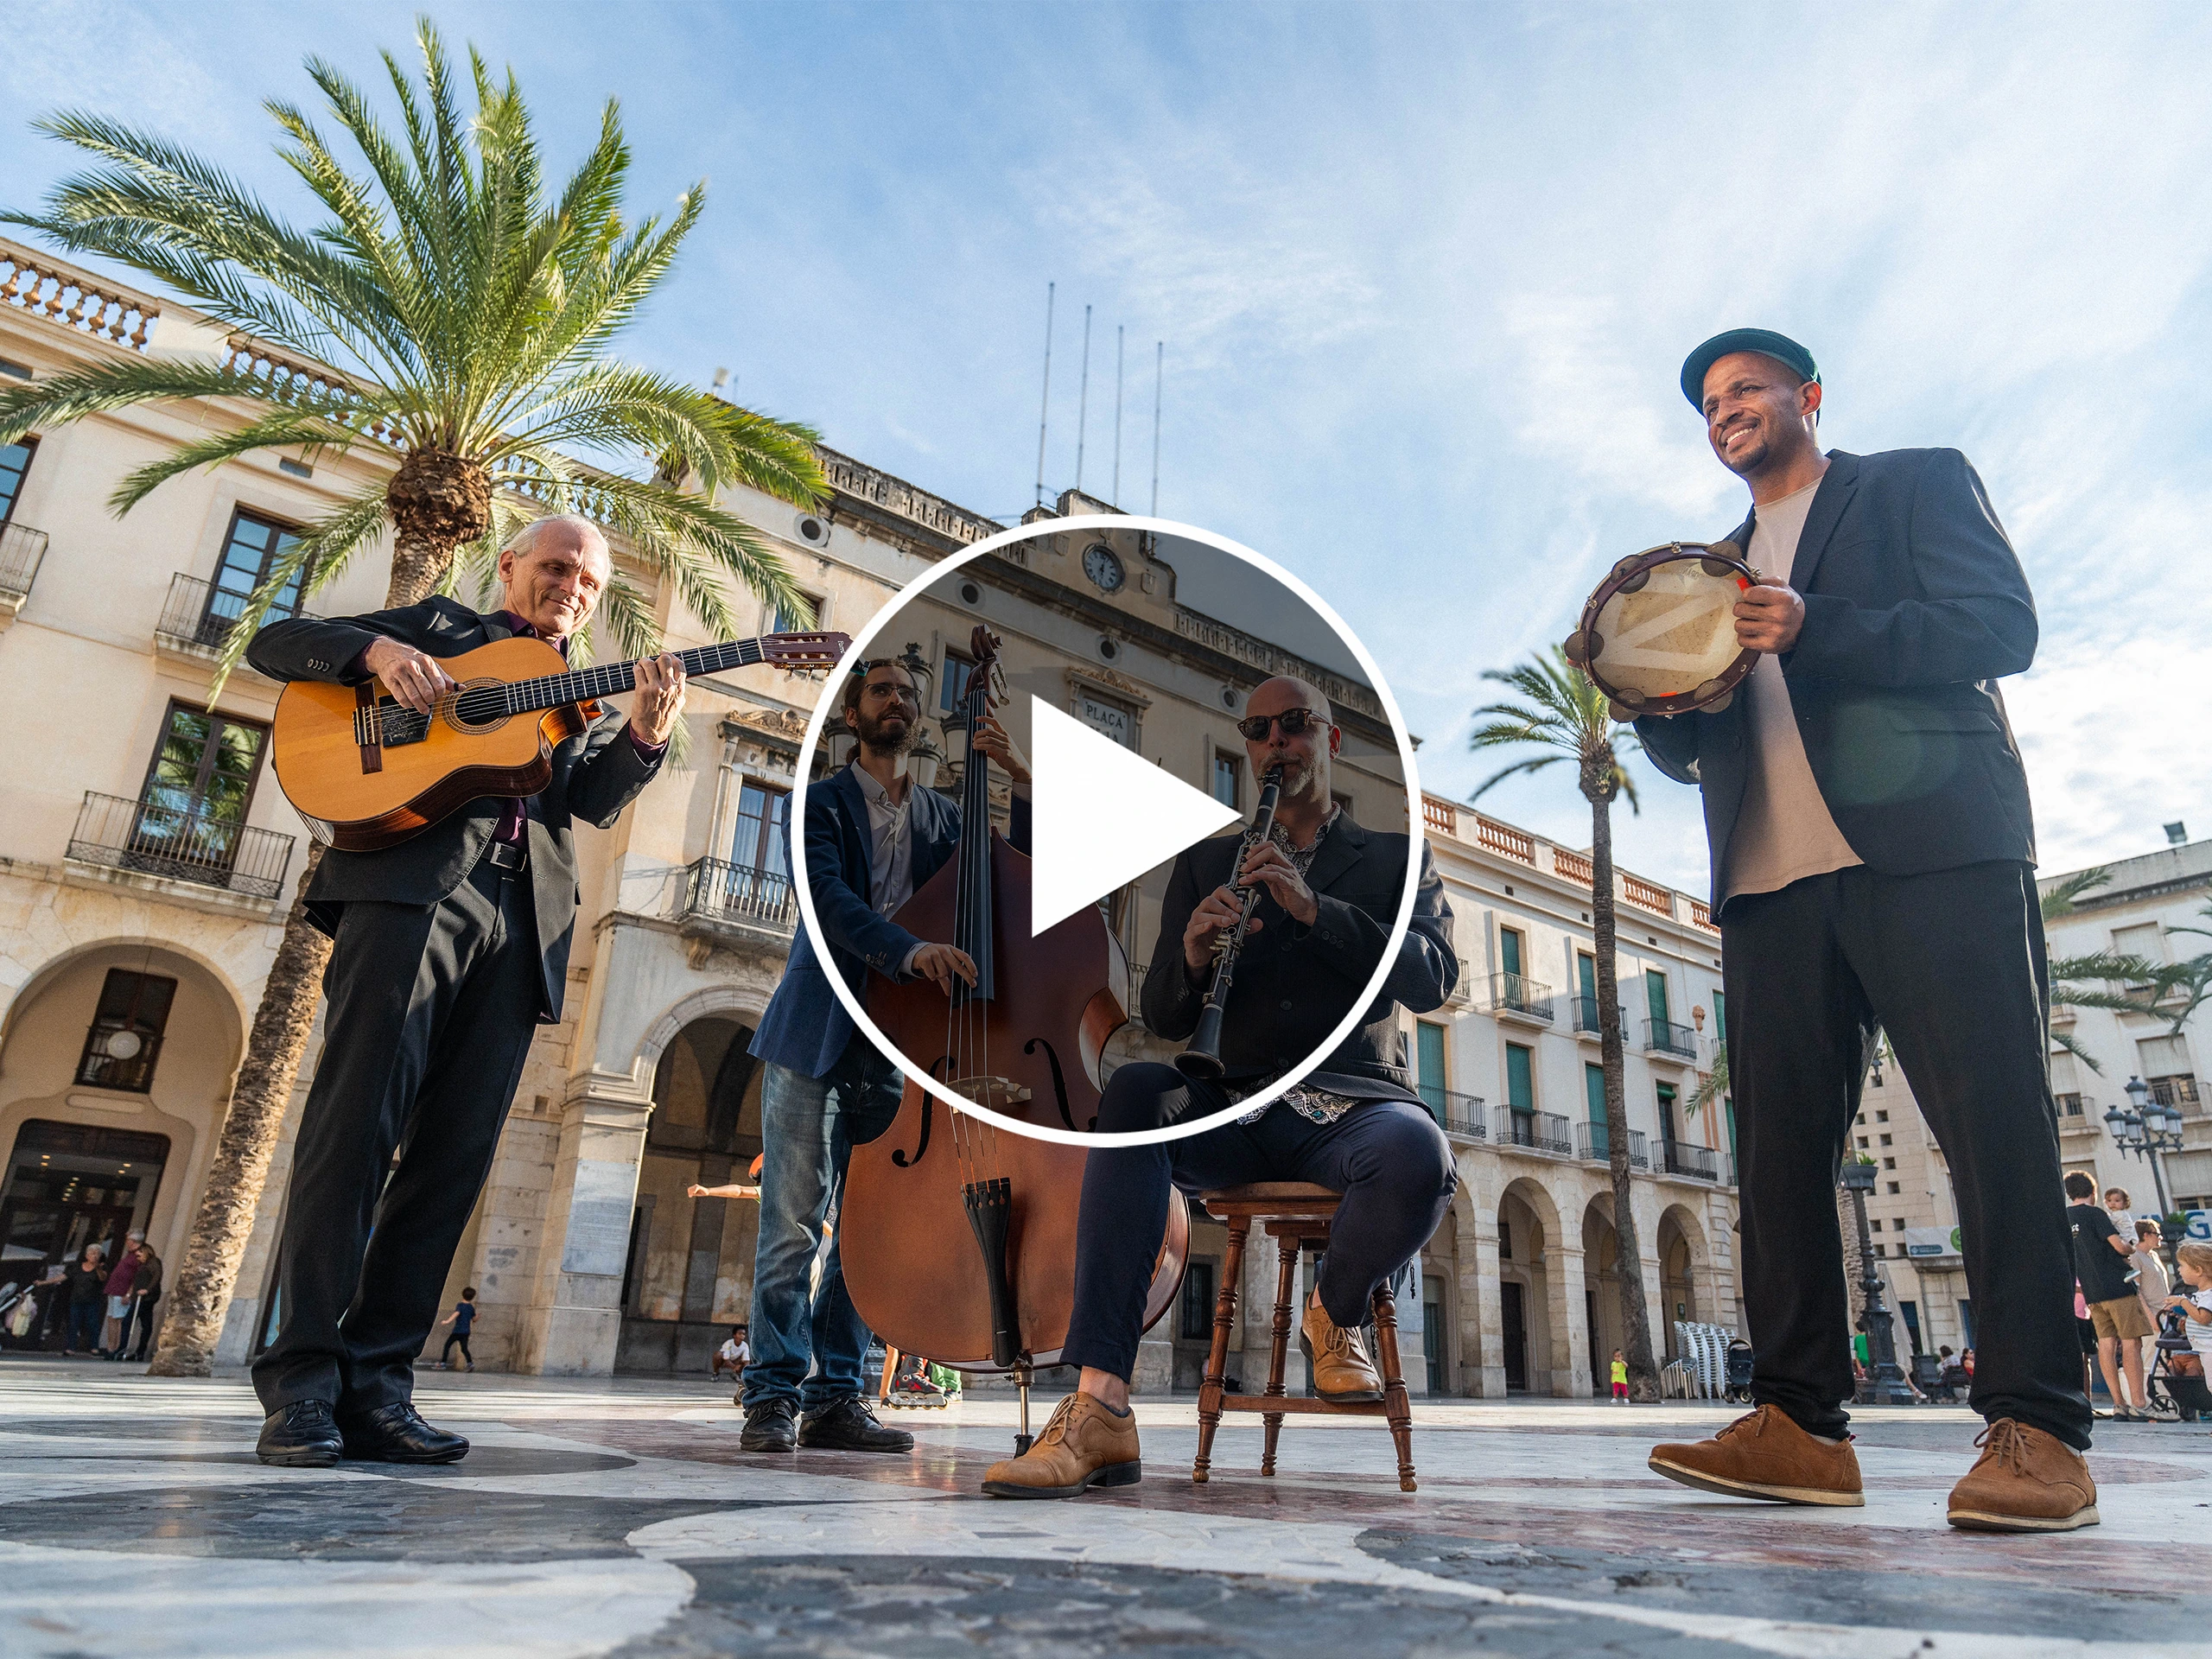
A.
pixel 244 1147
pixel 1628 1252
pixel 267 1076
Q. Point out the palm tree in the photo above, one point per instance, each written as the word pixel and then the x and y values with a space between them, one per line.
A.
pixel 1562 713
pixel 450 316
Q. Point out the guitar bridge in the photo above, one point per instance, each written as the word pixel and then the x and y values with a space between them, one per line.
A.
pixel 386 724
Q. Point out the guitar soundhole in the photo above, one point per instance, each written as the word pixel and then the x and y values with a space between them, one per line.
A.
pixel 474 711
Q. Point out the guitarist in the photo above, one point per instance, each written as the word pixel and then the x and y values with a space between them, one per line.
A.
pixel 450 950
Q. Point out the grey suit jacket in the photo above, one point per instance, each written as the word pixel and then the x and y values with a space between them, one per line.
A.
pixel 1915 605
pixel 594 777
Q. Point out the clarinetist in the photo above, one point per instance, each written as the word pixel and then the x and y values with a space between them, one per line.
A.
pixel 1328 891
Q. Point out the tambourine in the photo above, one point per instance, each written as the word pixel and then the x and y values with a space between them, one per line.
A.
pixel 1659 635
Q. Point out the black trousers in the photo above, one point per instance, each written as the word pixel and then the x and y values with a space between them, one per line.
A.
pixel 431 1011
pixel 1951 965
pixel 1387 1157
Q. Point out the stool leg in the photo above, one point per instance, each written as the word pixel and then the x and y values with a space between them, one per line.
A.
pixel 1279 1349
pixel 1224 1312
pixel 1396 1406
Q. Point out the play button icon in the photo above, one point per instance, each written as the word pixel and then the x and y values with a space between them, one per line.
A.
pixel 1101 815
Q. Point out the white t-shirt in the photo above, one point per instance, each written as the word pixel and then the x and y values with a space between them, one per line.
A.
pixel 2200 1336
pixel 735 1352
pixel 1784 831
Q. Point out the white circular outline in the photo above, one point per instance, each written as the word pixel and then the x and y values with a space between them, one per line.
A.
pixel 1417 839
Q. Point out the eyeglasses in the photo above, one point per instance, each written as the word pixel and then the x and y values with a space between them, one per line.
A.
pixel 1295 722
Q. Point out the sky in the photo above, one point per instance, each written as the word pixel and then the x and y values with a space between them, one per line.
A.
pixel 1425 277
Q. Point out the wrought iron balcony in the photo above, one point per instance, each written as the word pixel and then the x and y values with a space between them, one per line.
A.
pixel 1462 989
pixel 1701 1163
pixel 1585 1017
pixel 181 845
pixel 717 891
pixel 1460 1113
pixel 1593 1144
pixel 1517 996
pixel 1664 1037
pixel 2180 1091
pixel 1537 1131
pixel 21 550
pixel 198 616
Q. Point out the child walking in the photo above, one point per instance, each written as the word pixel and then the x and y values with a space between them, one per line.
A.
pixel 1620 1379
pixel 461 1318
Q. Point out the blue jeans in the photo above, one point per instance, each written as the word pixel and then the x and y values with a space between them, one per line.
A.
pixel 808 1340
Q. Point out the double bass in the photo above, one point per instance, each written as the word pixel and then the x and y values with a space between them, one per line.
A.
pixel 958 1236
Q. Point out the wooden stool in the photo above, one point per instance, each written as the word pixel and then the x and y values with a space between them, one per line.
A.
pixel 1293 1212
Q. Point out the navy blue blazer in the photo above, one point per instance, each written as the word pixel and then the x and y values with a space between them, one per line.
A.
pixel 1915 605
pixel 806 1027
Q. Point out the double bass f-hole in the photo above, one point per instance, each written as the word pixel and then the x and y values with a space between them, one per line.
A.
pixel 940 1071
pixel 1059 1080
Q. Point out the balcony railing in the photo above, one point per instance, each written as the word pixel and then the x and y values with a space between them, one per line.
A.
pixel 1701 1163
pixel 1462 989
pixel 21 550
pixel 1593 1144
pixel 199 616
pixel 180 845
pixel 1537 1131
pixel 1517 994
pixel 1665 1037
pixel 1586 1016
pixel 1460 1114
pixel 2179 1091
pixel 718 890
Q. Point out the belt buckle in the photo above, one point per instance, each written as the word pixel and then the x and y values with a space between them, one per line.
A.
pixel 508 856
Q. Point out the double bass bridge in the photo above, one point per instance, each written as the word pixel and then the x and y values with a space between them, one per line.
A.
pixel 996 1093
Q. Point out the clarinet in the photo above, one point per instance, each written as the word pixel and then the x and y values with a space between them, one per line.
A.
pixel 1203 1057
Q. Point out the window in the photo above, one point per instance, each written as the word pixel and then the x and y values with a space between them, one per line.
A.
pixel 1504 1240
pixel 762 840
pixel 1194 1320
pixel 1593 1093
pixel 1911 1312
pixel 1586 985
pixel 124 1038
pixel 952 684
pixel 197 787
pixel 1881 1116
pixel 801 617
pixel 1666 1091
pixel 1520 1078
pixel 1889 1163
pixel 1228 773
pixel 1885 1140
pixel 251 552
pixel 14 462
pixel 1654 992
pixel 1862 1141
pixel 2145 941
pixel 2176 1091
pixel 1875 1225
pixel 1894 1188
pixel 1428 1047
pixel 1510 943
pixel 2070 1105
pixel 1720 1016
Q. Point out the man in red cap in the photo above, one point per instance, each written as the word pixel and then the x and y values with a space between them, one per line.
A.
pixel 1873 868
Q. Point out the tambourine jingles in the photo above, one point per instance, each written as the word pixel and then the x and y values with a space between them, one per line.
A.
pixel 1659 635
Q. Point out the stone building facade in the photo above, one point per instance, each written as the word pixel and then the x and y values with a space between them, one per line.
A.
pixel 147 858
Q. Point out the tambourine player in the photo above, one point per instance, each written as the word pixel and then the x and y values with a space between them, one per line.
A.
pixel 1873 855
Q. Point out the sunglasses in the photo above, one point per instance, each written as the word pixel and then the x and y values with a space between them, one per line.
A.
pixel 1295 722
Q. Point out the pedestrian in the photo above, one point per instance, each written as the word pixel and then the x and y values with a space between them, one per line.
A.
pixel 145 1291
pixel 2101 1256
pixel 117 1289
pixel 1620 1379
pixel 462 1318
pixel 2152 1283
pixel 2120 1207
pixel 732 1356
pixel 85 1279
pixel 2190 1388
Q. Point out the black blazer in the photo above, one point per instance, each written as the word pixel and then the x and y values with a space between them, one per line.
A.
pixel 594 777
pixel 1915 605
pixel 1295 984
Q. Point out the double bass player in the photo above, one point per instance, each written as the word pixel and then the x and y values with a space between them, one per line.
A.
pixel 1331 890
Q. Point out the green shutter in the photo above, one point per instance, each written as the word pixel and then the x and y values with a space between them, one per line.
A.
pixel 1520 1080
pixel 1586 973
pixel 1655 990
pixel 1720 1016
pixel 1509 950
pixel 1428 1042
pixel 1594 1086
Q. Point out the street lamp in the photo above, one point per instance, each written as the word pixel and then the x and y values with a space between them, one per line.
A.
pixel 1884 1384
pixel 2150 1129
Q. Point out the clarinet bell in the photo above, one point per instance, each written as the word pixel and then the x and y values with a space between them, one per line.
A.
pixel 1203 1057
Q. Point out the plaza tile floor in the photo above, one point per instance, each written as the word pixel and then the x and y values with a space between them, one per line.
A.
pixel 596 1517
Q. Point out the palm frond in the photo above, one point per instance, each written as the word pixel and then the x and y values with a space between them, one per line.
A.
pixel 321 552
pixel 285 429
pixel 2062 897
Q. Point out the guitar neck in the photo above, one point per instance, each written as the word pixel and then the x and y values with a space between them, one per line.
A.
pixel 605 679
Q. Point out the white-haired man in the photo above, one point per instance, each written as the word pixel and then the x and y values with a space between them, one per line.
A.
pixel 449 950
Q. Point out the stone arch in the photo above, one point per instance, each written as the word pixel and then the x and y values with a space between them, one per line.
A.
pixel 120 945
pixel 1601 1286
pixel 1679 1242
pixel 732 1000
pixel 1534 1265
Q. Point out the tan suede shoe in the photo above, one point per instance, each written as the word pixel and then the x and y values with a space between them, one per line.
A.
pixel 2025 1481
pixel 1342 1374
pixel 1765 1454
pixel 1084 1446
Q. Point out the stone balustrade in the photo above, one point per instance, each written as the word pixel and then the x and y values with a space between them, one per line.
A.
pixel 45 287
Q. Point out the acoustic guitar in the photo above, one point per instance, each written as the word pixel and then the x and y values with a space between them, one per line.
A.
pixel 367 771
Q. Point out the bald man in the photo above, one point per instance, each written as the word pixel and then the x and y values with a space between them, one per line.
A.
pixel 1329 891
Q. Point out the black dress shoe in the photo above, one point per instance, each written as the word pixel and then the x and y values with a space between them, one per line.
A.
pixel 396 1433
pixel 849 1426
pixel 772 1426
pixel 301 1435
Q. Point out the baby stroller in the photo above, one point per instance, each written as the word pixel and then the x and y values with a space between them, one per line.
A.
pixel 2177 1382
pixel 1739 1371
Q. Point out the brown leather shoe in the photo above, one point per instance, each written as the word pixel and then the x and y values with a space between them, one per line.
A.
pixel 1337 1361
pixel 1084 1446
pixel 2025 1481
pixel 1765 1454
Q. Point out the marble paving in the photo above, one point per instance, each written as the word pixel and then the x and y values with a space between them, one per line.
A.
pixel 598 1517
